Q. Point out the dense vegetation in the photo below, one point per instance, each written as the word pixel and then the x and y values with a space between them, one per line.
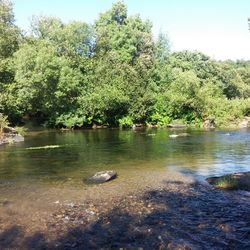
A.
pixel 112 73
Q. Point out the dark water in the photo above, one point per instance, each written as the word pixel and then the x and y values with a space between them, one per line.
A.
pixel 75 155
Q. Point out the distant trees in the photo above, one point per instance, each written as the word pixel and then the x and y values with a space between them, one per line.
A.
pixel 112 73
pixel 8 30
pixel 10 38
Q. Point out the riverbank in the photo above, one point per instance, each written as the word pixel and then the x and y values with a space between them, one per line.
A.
pixel 156 210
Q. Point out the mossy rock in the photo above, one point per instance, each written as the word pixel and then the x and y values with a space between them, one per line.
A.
pixel 231 181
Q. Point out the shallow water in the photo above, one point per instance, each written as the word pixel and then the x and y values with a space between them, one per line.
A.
pixel 47 174
pixel 69 157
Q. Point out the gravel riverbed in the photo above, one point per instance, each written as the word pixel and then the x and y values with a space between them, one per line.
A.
pixel 162 211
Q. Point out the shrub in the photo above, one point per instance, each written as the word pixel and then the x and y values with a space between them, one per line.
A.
pixel 126 122
pixel 159 119
pixel 3 122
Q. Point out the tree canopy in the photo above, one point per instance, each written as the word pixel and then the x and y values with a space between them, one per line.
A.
pixel 112 73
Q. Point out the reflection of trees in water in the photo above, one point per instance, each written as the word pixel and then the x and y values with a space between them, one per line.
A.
pixel 86 151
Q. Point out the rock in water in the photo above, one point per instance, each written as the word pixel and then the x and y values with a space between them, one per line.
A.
pixel 176 126
pixel 18 138
pixel 209 124
pixel 173 136
pixel 239 180
pixel 9 130
pixel 245 123
pixel 179 135
pixel 103 176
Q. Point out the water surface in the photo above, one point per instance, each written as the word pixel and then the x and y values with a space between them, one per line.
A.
pixel 69 157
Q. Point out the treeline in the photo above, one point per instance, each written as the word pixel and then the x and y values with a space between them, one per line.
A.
pixel 112 73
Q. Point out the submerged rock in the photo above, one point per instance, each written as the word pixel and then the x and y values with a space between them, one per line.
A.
pixel 179 135
pixel 103 176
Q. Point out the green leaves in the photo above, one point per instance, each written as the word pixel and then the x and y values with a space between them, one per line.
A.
pixel 113 73
pixel 9 33
pixel 3 122
pixel 127 38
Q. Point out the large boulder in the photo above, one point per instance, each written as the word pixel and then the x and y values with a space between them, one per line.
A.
pixel 103 176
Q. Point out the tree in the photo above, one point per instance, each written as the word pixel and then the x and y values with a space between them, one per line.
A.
pixel 75 74
pixel 9 41
pixel 9 33
pixel 162 48
pixel 72 39
pixel 127 38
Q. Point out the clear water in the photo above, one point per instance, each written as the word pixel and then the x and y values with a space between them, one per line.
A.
pixel 79 154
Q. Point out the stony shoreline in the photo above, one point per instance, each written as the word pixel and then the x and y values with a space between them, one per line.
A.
pixel 163 212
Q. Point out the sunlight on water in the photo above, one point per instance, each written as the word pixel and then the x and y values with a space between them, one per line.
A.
pixel 55 157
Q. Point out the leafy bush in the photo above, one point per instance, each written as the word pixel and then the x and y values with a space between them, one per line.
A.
pixel 3 122
pixel 75 74
pixel 159 119
pixel 70 121
pixel 126 122
pixel 21 130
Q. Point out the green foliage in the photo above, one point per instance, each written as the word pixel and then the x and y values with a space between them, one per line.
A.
pixel 9 41
pixel 69 120
pixel 113 73
pixel 159 119
pixel 126 122
pixel 20 130
pixel 228 182
pixel 3 122
pixel 9 33
pixel 162 48
pixel 72 40
pixel 126 38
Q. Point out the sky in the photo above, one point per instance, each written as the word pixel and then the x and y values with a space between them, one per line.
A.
pixel 218 28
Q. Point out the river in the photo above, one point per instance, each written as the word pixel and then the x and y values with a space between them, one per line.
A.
pixel 44 188
pixel 50 157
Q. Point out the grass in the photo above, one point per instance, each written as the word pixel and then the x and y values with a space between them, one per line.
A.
pixel 227 182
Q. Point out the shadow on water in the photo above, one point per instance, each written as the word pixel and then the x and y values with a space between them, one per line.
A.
pixel 173 219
